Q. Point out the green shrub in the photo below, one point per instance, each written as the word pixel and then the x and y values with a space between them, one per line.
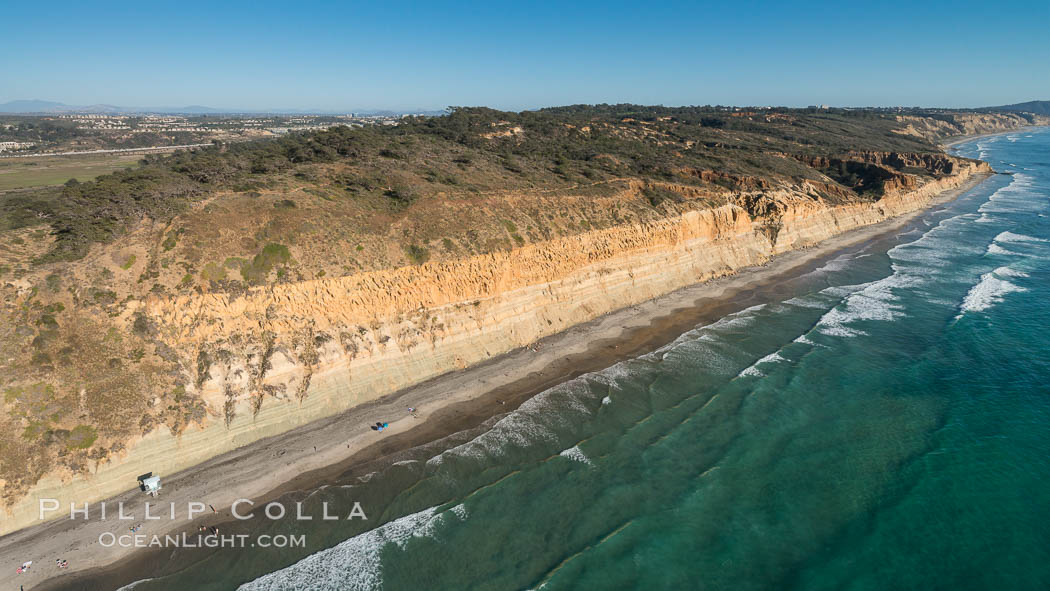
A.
pixel 417 254
pixel 141 326
pixel 81 437
pixel 657 195
pixel 255 272
pixel 169 242
pixel 213 272
pixel 401 196
pixel 103 297
pixel 53 282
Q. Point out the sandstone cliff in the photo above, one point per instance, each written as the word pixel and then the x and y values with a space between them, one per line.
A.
pixel 964 124
pixel 274 358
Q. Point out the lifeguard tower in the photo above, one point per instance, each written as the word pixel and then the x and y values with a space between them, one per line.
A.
pixel 149 484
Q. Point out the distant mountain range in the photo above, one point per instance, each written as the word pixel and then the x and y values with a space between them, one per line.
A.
pixel 41 107
pixel 1037 107
pixel 37 106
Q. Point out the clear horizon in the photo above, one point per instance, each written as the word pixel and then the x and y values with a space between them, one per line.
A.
pixel 414 56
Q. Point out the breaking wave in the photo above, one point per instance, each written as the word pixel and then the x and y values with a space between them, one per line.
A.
pixel 1011 237
pixel 575 454
pixel 990 290
pixel 753 370
pixel 355 564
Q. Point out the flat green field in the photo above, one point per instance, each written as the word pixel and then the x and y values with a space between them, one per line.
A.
pixel 21 173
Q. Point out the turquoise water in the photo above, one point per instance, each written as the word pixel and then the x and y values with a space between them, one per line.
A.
pixel 886 425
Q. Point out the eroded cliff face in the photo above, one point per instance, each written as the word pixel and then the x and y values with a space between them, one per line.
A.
pixel 963 124
pixel 275 358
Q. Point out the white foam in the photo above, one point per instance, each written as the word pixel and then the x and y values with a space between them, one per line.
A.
pixel 1011 237
pixel 771 358
pixel 806 302
pixel 873 301
pixel 576 454
pixel 753 371
pixel 805 340
pixel 131 586
pixel 355 563
pixel 460 511
pixel 533 422
pixel 916 263
pixel 835 264
pixel 612 375
pixel 698 345
pixel 1014 197
pixel 994 248
pixel 750 372
pixel 989 291
pixel 1008 272
pixel 739 319
pixel 607 400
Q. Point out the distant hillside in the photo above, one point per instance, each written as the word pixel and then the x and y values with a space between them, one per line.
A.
pixel 1037 107
pixel 51 107
pixel 38 106
pixel 31 106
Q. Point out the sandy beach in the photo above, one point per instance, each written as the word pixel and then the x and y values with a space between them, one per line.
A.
pixel 344 446
pixel 962 139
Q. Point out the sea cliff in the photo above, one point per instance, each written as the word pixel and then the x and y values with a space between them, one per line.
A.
pixel 279 357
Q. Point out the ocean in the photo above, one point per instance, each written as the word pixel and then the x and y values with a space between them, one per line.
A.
pixel 883 423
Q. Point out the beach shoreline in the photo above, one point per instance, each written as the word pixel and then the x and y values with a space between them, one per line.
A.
pixel 962 139
pixel 342 446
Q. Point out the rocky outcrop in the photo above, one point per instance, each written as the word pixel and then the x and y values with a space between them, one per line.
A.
pixel 279 357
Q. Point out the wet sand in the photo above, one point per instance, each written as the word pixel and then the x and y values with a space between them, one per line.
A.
pixel 343 446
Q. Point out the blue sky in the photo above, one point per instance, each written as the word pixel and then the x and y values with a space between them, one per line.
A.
pixel 517 55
